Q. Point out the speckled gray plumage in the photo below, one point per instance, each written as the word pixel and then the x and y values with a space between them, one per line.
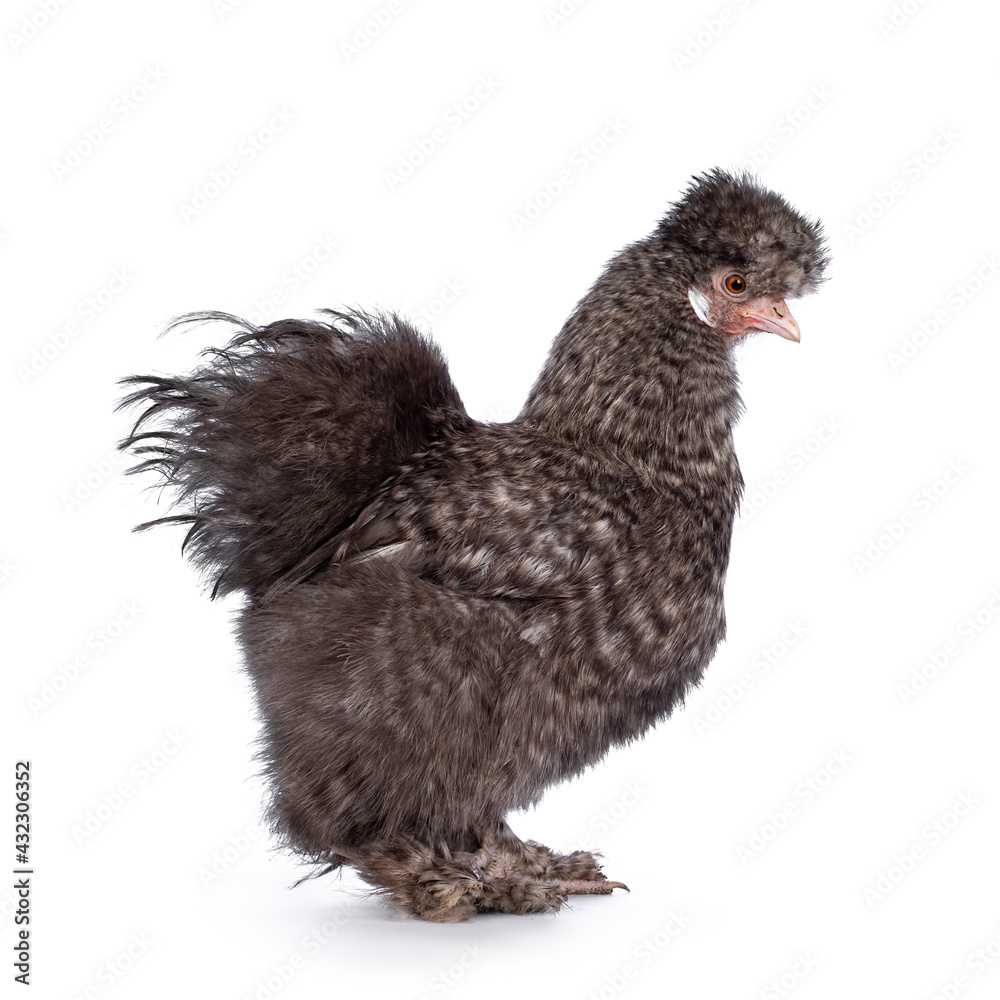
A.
pixel 446 617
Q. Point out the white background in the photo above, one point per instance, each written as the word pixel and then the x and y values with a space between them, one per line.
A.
pixel 883 878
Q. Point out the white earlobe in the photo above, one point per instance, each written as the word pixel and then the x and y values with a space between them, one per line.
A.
pixel 700 305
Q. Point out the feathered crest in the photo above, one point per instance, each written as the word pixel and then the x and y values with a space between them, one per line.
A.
pixel 729 218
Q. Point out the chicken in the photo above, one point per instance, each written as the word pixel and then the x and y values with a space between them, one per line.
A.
pixel 444 617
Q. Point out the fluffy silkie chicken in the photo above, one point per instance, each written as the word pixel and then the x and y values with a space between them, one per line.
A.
pixel 444 617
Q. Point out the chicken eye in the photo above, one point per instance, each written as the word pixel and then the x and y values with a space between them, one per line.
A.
pixel 735 284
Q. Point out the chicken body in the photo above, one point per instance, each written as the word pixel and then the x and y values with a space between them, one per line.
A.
pixel 501 604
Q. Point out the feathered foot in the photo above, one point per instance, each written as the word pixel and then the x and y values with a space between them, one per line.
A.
pixel 504 874
pixel 578 873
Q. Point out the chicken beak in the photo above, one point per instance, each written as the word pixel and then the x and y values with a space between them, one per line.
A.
pixel 770 315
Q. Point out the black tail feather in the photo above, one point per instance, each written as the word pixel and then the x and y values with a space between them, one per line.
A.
pixel 282 436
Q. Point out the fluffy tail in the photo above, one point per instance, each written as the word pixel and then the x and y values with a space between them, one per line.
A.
pixel 279 440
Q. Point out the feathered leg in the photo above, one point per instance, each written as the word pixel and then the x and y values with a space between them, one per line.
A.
pixel 502 874
pixel 577 873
